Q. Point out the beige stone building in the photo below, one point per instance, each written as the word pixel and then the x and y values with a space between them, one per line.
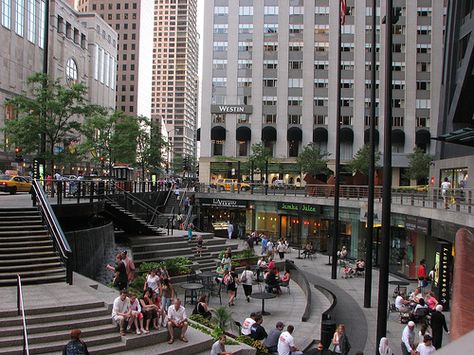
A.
pixel 82 48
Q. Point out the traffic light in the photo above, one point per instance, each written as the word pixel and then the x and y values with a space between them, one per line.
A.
pixel 17 151
pixel 18 156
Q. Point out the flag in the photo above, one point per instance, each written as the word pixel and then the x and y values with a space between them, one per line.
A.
pixel 343 11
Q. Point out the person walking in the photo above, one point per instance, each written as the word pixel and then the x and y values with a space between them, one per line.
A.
pixel 76 346
pixel 340 341
pixel 408 339
pixel 445 186
pixel 281 248
pixel 422 274
pixel 230 230
pixel 438 324
pixel 426 347
pixel 246 278
pixel 190 231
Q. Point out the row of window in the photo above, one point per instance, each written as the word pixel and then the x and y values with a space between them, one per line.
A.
pixel 319 120
pixel 117 6
pixel 27 16
pixel 104 67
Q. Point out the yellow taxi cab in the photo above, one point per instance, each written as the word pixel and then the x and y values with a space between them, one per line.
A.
pixel 14 184
pixel 231 184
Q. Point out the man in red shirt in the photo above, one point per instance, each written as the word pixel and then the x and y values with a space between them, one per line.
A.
pixel 422 273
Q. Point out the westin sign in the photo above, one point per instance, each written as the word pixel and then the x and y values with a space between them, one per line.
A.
pixel 231 109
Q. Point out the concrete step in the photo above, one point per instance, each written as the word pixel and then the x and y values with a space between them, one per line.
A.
pixel 31 266
pixel 31 249
pixel 24 222
pixel 34 280
pixel 160 253
pixel 25 262
pixel 24 238
pixel 25 243
pixel 54 346
pixel 23 233
pixel 21 227
pixel 25 274
pixel 152 258
pixel 25 257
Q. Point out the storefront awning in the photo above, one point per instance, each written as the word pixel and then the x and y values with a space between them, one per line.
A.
pixel 398 137
pixel 423 137
pixel 367 136
pixel 269 134
pixel 294 134
pixel 464 136
pixel 320 134
pixel 243 134
pixel 218 133
pixel 347 135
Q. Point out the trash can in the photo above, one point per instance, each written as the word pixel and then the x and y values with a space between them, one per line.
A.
pixel 328 327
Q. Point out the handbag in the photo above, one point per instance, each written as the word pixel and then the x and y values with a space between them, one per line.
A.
pixel 332 347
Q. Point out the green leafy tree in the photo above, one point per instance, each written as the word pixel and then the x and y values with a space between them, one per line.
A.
pixel 259 156
pixel 360 162
pixel 419 166
pixel 124 140
pixel 51 110
pixel 312 161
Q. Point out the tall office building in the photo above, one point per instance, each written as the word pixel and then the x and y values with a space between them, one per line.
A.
pixel 133 21
pixel 269 76
pixel 175 73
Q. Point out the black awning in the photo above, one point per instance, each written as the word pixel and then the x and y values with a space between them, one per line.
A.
pixel 294 134
pixel 367 136
pixel 243 134
pixel 423 137
pixel 320 134
pixel 218 133
pixel 398 137
pixel 198 134
pixel 269 134
pixel 463 136
pixel 347 135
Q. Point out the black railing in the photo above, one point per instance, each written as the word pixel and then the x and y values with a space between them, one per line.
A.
pixel 156 212
pixel 49 219
pixel 21 312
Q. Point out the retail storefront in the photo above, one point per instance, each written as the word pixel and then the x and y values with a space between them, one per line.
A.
pixel 215 215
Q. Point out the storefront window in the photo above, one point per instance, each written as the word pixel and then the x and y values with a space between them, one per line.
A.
pixel 267 223
pixel 457 176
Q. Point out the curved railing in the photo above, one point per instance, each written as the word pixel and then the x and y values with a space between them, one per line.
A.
pixel 49 219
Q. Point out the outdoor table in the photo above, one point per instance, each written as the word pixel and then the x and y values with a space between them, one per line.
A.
pixel 192 287
pixel 398 283
pixel 263 296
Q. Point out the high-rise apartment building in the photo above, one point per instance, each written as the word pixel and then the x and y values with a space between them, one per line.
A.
pixel 269 76
pixel 175 73
pixel 133 21
pixel 82 48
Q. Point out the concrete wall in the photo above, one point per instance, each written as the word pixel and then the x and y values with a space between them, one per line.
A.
pixel 89 248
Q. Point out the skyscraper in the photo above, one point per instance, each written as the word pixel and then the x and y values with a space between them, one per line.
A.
pixel 133 21
pixel 175 73
pixel 269 76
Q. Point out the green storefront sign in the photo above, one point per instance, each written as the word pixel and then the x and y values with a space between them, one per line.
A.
pixel 298 207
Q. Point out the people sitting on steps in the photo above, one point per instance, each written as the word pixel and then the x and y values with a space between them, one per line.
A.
pixel 177 319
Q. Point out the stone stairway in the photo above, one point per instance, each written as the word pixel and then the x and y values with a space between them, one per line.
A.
pixel 128 221
pixel 26 248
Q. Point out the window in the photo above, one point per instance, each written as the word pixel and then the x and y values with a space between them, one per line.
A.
pixel 398 103
pixel 60 24
pixel 270 64
pixel 320 119
pixel 106 69
pixel 269 118
pixel 270 10
pixel 243 148
pixel 219 64
pixel 295 101
pixel 244 64
pixel 243 118
pixel 96 62
pixel 423 67
pixel 246 28
pixel 296 10
pixel 20 17
pixel 423 122
pixel 295 82
pixel 422 85
pixel 270 83
pixel 220 46
pixel 31 34
pixel 218 147
pixel 41 24
pixel 346 120
pixel 245 46
pixel 245 10
pixel 397 121
pixel 71 71
pixel 321 10
pixel 6 13
pixel 423 48
pixel 270 28
pixel 295 47
pixel 321 83
pixel 423 104
pixel 101 65
pixel 221 10
pixel 293 149
pixel 270 47
pixel 269 100
pixel 296 29
pixel 296 64
pixel 221 28
pixel 294 119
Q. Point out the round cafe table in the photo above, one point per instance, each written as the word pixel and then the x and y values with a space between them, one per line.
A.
pixel 190 291
pixel 263 296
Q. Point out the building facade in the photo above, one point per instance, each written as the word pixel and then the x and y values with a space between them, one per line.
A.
pixel 81 49
pixel 133 22
pixel 175 73
pixel 269 76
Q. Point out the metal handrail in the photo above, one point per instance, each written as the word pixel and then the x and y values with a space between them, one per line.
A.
pixel 21 311
pixel 51 222
pixel 155 212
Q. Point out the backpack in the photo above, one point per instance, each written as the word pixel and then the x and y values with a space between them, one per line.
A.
pixel 228 279
pixel 244 276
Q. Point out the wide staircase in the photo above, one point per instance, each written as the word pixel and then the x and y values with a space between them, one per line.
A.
pixel 26 248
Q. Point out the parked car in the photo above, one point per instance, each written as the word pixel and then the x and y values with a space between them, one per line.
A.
pixel 231 185
pixel 14 184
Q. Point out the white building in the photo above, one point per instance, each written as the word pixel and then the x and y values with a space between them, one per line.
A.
pixel 269 76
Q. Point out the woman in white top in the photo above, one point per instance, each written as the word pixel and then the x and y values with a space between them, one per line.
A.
pixel 384 347
pixel 246 278
pixel 226 262
pixel 152 281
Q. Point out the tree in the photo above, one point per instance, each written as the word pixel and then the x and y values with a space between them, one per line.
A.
pixel 52 110
pixel 419 166
pixel 259 156
pixel 109 137
pixel 312 161
pixel 360 162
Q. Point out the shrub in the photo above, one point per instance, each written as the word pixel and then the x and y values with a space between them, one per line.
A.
pixel 257 344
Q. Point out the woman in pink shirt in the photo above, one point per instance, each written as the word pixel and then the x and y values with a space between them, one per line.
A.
pixel 431 300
